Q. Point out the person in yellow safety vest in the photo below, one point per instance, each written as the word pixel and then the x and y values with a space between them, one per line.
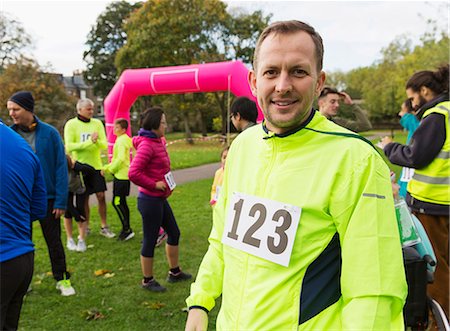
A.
pixel 429 154
pixel 304 233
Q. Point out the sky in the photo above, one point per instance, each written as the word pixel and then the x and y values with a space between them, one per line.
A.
pixel 354 32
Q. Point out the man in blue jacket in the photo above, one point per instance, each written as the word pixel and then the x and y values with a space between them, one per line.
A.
pixel 46 142
pixel 22 200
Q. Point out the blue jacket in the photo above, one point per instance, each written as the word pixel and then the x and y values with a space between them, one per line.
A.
pixel 51 153
pixel 23 198
pixel 410 123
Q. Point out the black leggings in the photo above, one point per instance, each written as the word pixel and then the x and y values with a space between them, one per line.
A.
pixel 156 213
pixel 15 277
pixel 120 205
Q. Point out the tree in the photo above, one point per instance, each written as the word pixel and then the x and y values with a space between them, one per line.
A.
pixel 180 32
pixel 52 104
pixel 382 85
pixel 13 40
pixel 104 40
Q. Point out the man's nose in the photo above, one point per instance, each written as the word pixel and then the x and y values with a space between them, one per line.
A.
pixel 284 83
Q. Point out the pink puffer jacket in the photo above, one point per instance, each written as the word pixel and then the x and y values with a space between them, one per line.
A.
pixel 150 164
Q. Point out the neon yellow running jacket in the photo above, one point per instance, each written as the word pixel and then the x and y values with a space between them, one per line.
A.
pixel 345 270
pixel 77 138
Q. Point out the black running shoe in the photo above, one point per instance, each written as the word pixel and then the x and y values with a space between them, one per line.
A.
pixel 126 235
pixel 173 278
pixel 153 286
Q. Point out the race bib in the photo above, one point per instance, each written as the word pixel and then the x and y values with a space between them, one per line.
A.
pixel 407 174
pixel 85 137
pixel 170 180
pixel 216 195
pixel 261 227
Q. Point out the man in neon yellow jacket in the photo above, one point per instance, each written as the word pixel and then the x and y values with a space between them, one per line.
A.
pixel 304 235
pixel 85 138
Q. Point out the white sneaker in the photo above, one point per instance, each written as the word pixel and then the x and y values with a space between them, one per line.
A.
pixel 65 287
pixel 106 232
pixel 71 246
pixel 81 247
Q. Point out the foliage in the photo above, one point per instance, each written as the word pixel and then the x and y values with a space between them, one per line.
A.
pixel 382 85
pixel 104 40
pixel 118 302
pixel 13 40
pixel 52 104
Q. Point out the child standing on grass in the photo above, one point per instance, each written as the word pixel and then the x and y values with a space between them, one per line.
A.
pixel 77 189
pixel 119 167
pixel 218 178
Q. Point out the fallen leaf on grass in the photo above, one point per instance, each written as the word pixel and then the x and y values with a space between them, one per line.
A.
pixel 92 314
pixel 91 246
pixel 101 272
pixel 153 305
pixel 38 282
pixel 109 274
pixel 49 273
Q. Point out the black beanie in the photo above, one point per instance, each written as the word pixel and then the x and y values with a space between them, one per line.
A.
pixel 24 99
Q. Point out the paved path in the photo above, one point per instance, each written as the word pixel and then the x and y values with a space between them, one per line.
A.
pixel 181 176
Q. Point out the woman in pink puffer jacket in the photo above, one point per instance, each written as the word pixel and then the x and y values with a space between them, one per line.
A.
pixel 150 170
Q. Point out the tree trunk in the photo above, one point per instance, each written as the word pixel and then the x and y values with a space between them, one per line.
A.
pixel 223 111
pixel 187 129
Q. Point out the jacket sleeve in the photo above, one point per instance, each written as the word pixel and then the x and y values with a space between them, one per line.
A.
pixel 39 194
pixel 121 155
pixel 83 168
pixel 102 143
pixel 361 123
pixel 426 143
pixel 373 283
pixel 208 284
pixel 62 172
pixel 137 172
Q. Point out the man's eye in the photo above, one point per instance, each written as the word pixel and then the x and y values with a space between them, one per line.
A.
pixel 270 73
pixel 299 72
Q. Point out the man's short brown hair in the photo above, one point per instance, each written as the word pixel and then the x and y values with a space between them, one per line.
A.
pixel 287 27
pixel 122 122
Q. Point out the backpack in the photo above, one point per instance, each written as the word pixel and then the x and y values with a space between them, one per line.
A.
pixel 76 183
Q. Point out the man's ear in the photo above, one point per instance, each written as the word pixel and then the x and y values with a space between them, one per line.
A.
pixel 424 91
pixel 320 83
pixel 252 81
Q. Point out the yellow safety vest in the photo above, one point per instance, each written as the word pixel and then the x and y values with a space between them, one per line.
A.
pixel 432 183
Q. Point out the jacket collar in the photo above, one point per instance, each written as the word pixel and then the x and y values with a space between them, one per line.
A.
pixel 430 104
pixel 290 132
pixel 146 133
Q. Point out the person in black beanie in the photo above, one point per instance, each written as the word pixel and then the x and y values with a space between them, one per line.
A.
pixel 24 99
pixel 46 142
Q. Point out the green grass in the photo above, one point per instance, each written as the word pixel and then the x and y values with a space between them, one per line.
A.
pixel 124 305
pixel 183 155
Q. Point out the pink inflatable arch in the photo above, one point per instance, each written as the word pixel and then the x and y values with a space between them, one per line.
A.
pixel 209 77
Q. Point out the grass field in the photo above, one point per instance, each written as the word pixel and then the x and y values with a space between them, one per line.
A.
pixel 117 297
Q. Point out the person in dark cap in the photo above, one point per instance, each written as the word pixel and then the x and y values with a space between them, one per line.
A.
pixel 46 142
pixel 243 113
